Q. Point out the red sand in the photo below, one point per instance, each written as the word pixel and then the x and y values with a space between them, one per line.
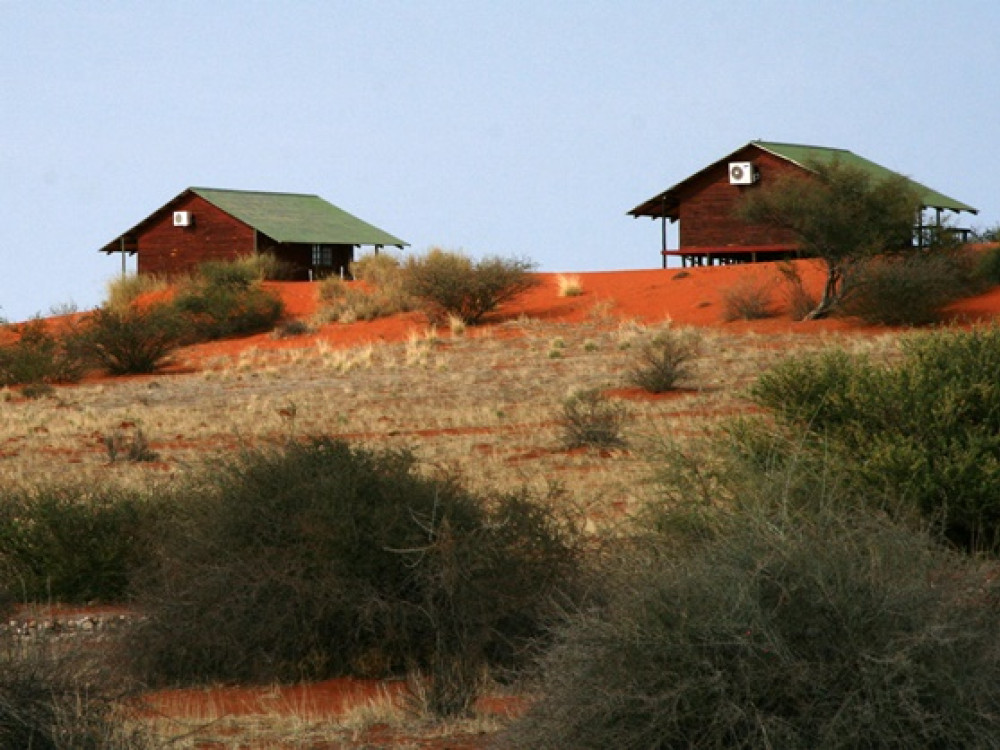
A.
pixel 687 297
pixel 693 296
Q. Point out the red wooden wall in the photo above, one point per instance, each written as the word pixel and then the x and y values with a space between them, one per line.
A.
pixel 163 248
pixel 707 209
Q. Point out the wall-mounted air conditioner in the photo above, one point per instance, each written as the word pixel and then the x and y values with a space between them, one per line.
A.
pixel 182 218
pixel 742 173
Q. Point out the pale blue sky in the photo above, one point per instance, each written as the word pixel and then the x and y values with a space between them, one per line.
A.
pixel 521 128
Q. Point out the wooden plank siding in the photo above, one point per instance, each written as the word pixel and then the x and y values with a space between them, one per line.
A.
pixel 214 235
pixel 708 209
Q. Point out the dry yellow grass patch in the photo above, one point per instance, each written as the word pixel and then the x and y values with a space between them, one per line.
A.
pixel 486 405
pixel 569 285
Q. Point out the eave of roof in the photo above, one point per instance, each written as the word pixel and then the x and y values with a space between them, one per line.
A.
pixel 667 203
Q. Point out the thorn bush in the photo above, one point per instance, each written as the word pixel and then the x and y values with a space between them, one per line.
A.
pixel 589 418
pixel 784 632
pixel 321 559
pixel 664 361
pixel 452 283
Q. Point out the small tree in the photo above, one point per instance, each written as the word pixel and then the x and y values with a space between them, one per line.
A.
pixel 133 340
pixel 839 214
pixel 453 284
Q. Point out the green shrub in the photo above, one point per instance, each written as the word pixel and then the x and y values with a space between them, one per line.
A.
pixel 320 559
pixel 129 445
pixel 291 328
pixel 55 698
pixel 132 339
pixel 221 306
pixel 452 284
pixel 41 356
pixel 589 418
pixel 69 544
pixel 828 632
pixel 925 430
pixel 37 390
pixel 663 362
pixel 988 268
pixel 910 289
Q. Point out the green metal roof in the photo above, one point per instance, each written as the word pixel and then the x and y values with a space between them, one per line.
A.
pixel 803 155
pixel 294 217
pixel 667 203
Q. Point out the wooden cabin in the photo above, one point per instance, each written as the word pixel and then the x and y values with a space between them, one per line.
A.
pixel 704 204
pixel 313 237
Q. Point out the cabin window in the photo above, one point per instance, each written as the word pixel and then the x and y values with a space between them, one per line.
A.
pixel 322 256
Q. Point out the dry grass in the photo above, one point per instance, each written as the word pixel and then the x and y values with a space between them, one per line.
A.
pixel 384 720
pixel 486 403
pixel 569 285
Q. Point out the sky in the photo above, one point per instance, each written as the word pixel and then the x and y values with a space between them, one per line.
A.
pixel 522 128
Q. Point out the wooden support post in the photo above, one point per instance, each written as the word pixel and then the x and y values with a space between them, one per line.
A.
pixel 663 236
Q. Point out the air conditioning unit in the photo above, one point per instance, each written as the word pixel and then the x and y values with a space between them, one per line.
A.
pixel 182 218
pixel 742 173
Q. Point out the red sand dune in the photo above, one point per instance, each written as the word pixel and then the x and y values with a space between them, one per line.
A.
pixel 687 297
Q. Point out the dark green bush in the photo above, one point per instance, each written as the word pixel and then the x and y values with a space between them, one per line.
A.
pixel 988 268
pixel 41 356
pixel 779 632
pixel 37 390
pixel 218 309
pixel 925 430
pixel 59 698
pixel 133 339
pixel 663 362
pixel 589 418
pixel 291 329
pixel 69 544
pixel 453 284
pixel 910 289
pixel 321 559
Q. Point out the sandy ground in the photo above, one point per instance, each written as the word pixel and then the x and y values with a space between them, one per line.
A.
pixel 687 297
